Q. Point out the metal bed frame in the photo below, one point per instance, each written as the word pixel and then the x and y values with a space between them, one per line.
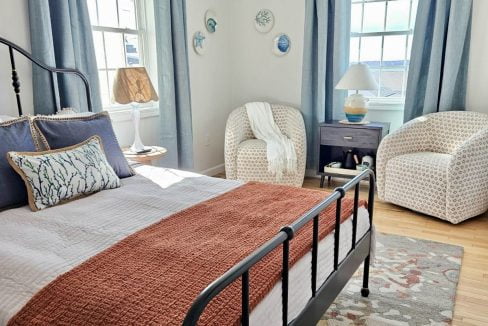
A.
pixel 53 76
pixel 322 294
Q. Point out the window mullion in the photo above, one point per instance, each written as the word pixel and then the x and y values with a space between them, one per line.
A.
pixel 118 11
pixel 98 14
pixel 106 66
pixel 405 66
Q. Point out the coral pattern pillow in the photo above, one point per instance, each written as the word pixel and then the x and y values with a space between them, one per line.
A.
pixel 61 175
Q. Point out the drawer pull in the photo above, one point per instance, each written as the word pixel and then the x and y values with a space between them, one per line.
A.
pixel 347 137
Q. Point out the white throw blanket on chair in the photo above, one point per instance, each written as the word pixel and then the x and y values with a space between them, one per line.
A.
pixel 280 150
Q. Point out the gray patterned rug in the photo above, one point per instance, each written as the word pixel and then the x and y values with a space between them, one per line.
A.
pixel 413 282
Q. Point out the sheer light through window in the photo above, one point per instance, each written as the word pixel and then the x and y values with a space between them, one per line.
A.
pixel 118 40
pixel 381 37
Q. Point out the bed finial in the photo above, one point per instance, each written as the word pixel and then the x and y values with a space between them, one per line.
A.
pixel 15 80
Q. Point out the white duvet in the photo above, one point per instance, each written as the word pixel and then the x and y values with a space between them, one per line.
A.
pixel 35 248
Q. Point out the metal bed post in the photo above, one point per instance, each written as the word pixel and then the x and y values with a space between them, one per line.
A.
pixel 315 252
pixel 245 299
pixel 372 186
pixel 285 273
pixel 15 80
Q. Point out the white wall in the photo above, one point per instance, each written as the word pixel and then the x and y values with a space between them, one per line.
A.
pixel 257 73
pixel 14 26
pixel 239 67
pixel 210 81
pixel 477 95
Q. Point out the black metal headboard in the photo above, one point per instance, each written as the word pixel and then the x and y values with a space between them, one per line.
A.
pixel 53 71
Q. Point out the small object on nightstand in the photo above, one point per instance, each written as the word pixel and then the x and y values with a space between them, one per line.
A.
pixel 348 160
pixel 148 158
pixel 350 144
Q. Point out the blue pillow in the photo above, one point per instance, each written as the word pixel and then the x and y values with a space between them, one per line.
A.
pixel 15 135
pixel 64 131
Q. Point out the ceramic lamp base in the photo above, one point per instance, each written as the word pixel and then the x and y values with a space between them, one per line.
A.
pixel 137 146
pixel 356 108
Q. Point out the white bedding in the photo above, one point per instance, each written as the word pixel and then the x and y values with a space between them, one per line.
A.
pixel 37 247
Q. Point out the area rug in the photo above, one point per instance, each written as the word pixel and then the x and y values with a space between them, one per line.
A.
pixel 413 282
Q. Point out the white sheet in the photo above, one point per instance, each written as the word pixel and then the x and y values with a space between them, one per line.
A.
pixel 37 247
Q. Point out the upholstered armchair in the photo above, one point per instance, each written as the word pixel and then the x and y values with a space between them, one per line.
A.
pixel 245 156
pixel 437 165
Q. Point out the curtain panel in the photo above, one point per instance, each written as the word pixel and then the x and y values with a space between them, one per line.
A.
pixel 325 60
pixel 174 83
pixel 439 60
pixel 61 37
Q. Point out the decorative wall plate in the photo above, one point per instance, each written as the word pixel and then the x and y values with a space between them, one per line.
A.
pixel 199 42
pixel 281 44
pixel 211 21
pixel 264 21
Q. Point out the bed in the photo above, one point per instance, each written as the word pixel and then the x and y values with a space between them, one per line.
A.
pixel 38 248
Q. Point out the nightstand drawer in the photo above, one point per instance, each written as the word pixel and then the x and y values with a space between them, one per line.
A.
pixel 349 137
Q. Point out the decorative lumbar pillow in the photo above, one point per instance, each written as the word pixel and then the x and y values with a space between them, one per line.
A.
pixel 67 130
pixel 15 135
pixel 61 175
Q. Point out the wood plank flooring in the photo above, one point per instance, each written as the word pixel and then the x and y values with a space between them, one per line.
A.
pixel 472 294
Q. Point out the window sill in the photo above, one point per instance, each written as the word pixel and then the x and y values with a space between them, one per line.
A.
pixel 119 115
pixel 386 105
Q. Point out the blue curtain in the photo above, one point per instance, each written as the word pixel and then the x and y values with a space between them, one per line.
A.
pixel 61 36
pixel 326 59
pixel 173 83
pixel 439 59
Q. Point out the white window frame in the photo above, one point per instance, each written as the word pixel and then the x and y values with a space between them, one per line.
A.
pixel 145 60
pixel 378 100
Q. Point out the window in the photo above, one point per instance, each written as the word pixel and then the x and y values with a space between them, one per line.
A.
pixel 381 37
pixel 119 39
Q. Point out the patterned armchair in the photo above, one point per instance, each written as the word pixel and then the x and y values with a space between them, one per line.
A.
pixel 437 165
pixel 245 156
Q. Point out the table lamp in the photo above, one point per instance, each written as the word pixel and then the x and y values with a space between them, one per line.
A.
pixel 357 77
pixel 133 85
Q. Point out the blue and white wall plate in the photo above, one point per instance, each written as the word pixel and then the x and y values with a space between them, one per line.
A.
pixel 199 42
pixel 211 21
pixel 264 21
pixel 281 45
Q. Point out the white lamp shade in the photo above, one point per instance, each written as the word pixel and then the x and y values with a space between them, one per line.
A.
pixel 358 77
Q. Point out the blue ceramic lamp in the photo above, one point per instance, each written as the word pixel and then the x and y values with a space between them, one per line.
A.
pixel 357 77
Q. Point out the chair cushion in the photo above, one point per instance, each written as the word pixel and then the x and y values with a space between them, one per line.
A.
pixel 418 181
pixel 252 163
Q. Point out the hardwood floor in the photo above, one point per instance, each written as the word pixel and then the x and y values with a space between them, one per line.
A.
pixel 472 294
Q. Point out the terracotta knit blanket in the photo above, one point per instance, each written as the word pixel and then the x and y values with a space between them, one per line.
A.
pixel 154 275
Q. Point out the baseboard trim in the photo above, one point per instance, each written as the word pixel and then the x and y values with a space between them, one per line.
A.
pixel 214 170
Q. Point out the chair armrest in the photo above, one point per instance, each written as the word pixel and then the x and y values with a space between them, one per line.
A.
pixel 237 130
pixel 295 130
pixel 412 137
pixel 467 190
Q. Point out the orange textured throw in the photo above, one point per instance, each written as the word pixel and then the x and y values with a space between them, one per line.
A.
pixel 154 275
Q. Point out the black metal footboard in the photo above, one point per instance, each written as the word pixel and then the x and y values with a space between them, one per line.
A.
pixel 322 295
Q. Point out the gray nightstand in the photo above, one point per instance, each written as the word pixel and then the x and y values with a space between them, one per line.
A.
pixel 337 138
